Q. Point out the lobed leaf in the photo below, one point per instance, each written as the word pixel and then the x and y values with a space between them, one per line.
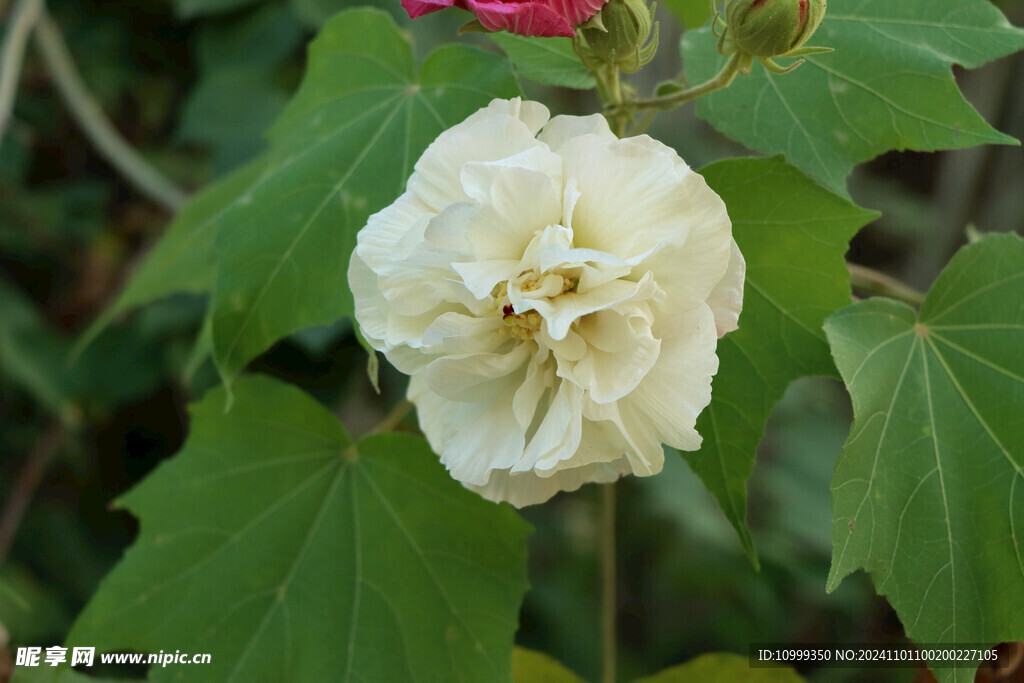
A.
pixel 928 493
pixel 288 552
pixel 550 61
pixel 723 667
pixel 793 234
pixel 888 85
pixel 343 148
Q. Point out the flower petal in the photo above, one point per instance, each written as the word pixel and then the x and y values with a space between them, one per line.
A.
pixel 522 18
pixel 629 353
pixel 502 129
pixel 561 312
pixel 461 432
pixel 665 198
pixel 558 436
pixel 417 8
pixel 478 377
pixel 666 404
pixel 527 488
pixel 726 299
pixel 561 129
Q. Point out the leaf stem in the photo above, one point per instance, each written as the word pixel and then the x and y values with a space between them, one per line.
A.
pixel 608 599
pixel 97 127
pixel 873 282
pixel 720 80
pixel 23 19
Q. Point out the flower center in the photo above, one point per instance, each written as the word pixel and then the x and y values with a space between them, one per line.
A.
pixel 528 285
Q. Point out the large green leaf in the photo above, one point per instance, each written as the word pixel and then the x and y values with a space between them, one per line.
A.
pixel 182 261
pixel 343 149
pixel 550 61
pixel 793 234
pixel 723 667
pixel 928 493
pixel 289 553
pixel 888 85
pixel 531 666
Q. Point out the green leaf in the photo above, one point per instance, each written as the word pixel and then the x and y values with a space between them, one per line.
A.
pixel 550 61
pixel 888 85
pixel 793 234
pixel 723 667
pixel 48 674
pixel 344 148
pixel 261 39
pixel 228 111
pixel 182 261
pixel 530 666
pixel 928 493
pixel 288 553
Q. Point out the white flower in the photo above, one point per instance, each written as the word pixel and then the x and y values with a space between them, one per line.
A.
pixel 555 297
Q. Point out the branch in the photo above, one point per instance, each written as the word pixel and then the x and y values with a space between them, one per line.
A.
pixel 97 127
pixel 24 17
pixel 720 80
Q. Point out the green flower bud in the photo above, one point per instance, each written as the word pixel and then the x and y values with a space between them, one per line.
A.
pixel 772 28
pixel 618 35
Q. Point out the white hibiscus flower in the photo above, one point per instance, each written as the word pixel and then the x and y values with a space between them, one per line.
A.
pixel 556 295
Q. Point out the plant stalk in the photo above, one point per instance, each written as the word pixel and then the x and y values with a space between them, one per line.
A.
pixel 608 582
pixel 96 126
pixel 874 283
pixel 23 19
pixel 720 80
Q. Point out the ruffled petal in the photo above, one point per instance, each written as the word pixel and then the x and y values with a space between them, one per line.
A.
pixel 558 436
pixel 522 18
pixel 476 378
pixel 417 8
pixel 577 11
pixel 666 404
pixel 664 198
pixel 628 354
pixel 527 488
pixel 461 432
pixel 501 130
pixel 561 129
pixel 726 299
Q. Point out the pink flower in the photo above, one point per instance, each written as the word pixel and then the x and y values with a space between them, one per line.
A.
pixel 523 17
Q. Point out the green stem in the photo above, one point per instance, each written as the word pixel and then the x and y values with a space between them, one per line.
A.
pixel 97 127
pixel 608 600
pixel 721 80
pixel 872 282
pixel 618 117
pixel 23 20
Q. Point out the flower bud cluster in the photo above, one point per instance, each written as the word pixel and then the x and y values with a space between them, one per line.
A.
pixel 766 29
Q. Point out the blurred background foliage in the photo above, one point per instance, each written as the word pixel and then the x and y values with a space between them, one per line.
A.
pixel 192 84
